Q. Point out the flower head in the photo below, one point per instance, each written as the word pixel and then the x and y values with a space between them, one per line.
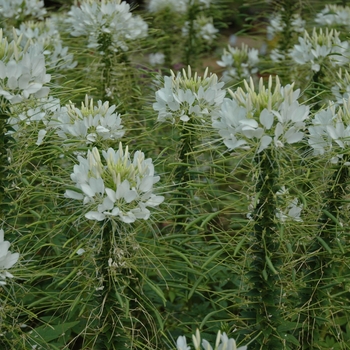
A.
pixel 22 72
pixel 223 342
pixel 34 111
pixel 106 21
pixel 262 117
pixel 22 9
pixel 330 130
pixel 341 91
pixel 334 16
pixel 47 36
pixel 119 187
pixel 321 48
pixel 173 5
pixel 88 123
pixel 240 63
pixel 203 28
pixel 186 97
pixel 7 259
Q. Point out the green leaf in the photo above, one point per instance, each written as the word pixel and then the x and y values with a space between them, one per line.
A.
pixel 48 333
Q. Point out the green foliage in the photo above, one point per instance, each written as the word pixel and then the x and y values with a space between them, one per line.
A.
pixel 214 255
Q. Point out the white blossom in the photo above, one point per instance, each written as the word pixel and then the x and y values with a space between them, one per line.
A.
pixel 156 58
pixel 180 6
pixel 89 123
pixel 341 89
pixel 22 9
pixel 22 73
pixel 186 97
pixel 47 36
pixel 240 63
pixel 330 131
pixel 334 16
pixel 107 20
pixel 119 187
pixel 34 111
pixel 173 5
pixel 7 259
pixel 203 28
pixel 276 24
pixel 262 118
pixel 223 342
pixel 319 49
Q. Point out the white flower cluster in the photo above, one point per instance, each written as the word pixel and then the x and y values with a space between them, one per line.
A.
pixel 89 123
pixel 185 97
pixel 334 16
pixel 37 111
pixel 240 63
pixel 203 28
pixel 156 58
pixel 330 130
pixel 22 9
pixel 320 49
pixel 106 20
pixel 341 91
pixel 22 73
pixel 122 188
pixel 48 38
pixel 180 6
pixel 276 25
pixel 173 5
pixel 223 342
pixel 261 118
pixel 7 259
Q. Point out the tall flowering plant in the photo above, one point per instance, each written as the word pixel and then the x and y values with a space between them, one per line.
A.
pixel 264 121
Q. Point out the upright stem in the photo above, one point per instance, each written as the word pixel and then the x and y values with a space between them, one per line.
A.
pixel 4 144
pixel 182 176
pixel 105 42
pixel 191 50
pixel 264 276
pixel 111 336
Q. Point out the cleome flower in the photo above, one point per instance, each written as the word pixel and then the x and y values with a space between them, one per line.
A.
pixel 173 5
pixel 203 28
pixel 89 123
pixel 119 188
pixel 263 118
pixel 47 36
pixel 22 9
pixel 334 16
pixel 180 6
pixel 7 259
pixel 330 131
pixel 22 72
pixel 34 111
pixel 240 63
pixel 223 342
pixel 321 48
pixel 106 21
pixel 341 91
pixel 189 98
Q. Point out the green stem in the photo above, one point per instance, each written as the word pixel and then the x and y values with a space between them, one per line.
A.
pixel 5 141
pixel 264 275
pixel 190 45
pixel 182 176
pixel 111 335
